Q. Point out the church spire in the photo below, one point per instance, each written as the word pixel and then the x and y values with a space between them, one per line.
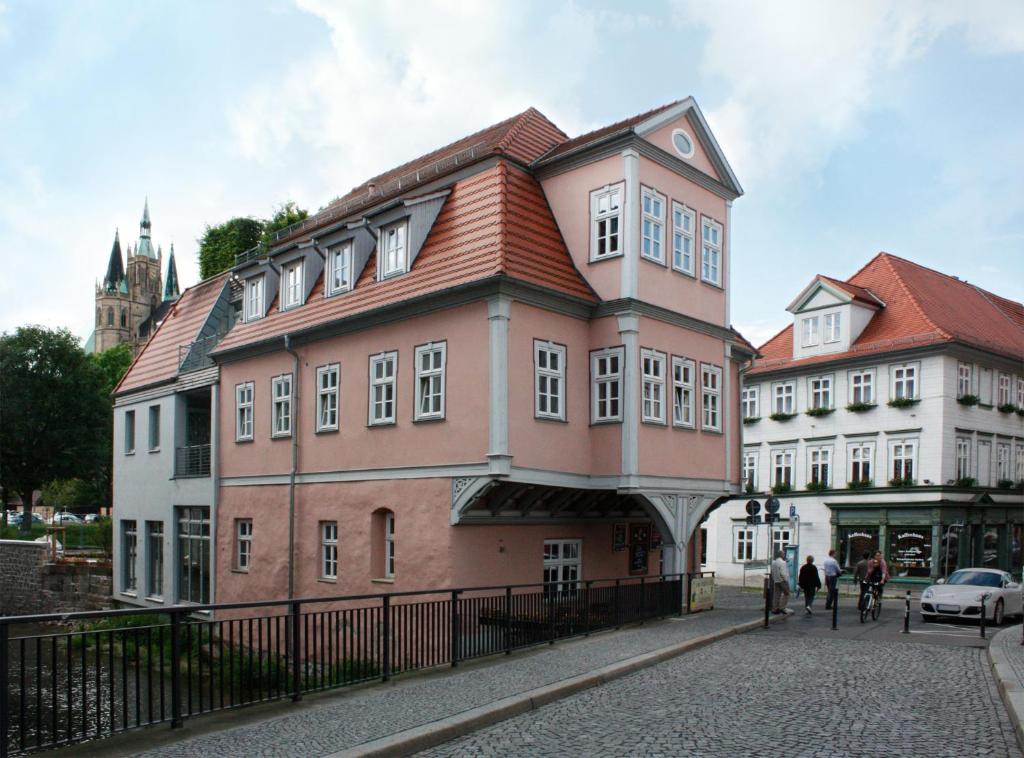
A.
pixel 144 245
pixel 171 286
pixel 115 267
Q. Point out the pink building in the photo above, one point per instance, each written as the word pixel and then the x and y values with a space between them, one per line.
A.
pixel 509 360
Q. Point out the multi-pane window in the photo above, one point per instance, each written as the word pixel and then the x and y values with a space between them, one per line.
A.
pixel 194 554
pixel 549 380
pixel 1003 470
pixel 389 545
pixel 382 388
pixel 652 245
pixel 832 327
pixel 809 331
pixel 781 537
pixel 683 222
pixel 711 397
pixel 963 457
pixel 821 392
pixel 328 549
pixel 129 552
pixel 430 369
pixel 862 387
pixel 860 462
pixel 155 559
pixel 1018 463
pixel 904 382
pixel 281 388
pixel 784 397
pixel 1003 396
pixel 129 432
pixel 243 411
pixel 902 454
pixel 1020 392
pixel 652 365
pixel 744 544
pixel 711 252
pixel 750 470
pixel 154 428
pixel 748 402
pixel 395 251
pixel 683 372
pixel 820 464
pixel 243 543
pixel 327 390
pixel 339 268
pixel 254 298
pixel 606 221
pixel 963 379
pixel 782 468
pixel 606 380
pixel 291 285
pixel 561 565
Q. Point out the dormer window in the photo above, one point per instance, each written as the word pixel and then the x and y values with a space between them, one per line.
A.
pixel 394 249
pixel 711 255
pixel 606 222
pixel 653 237
pixel 339 269
pixel 291 288
pixel 254 298
pixel 832 327
pixel 809 330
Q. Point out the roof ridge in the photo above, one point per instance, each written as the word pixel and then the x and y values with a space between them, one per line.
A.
pixel 502 216
pixel 988 298
pixel 521 123
pixel 910 295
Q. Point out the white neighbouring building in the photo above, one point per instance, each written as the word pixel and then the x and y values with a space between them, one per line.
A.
pixel 889 415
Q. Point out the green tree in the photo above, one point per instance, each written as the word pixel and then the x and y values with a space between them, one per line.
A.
pixel 220 244
pixel 65 494
pixel 52 412
pixel 111 365
pixel 283 217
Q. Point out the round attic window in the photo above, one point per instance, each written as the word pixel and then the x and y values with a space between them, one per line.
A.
pixel 682 142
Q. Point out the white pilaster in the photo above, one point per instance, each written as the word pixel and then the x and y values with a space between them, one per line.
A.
pixel 727 411
pixel 629 332
pixel 631 225
pixel 727 260
pixel 498 313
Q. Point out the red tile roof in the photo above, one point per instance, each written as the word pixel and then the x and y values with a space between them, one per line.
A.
pixel 922 307
pixel 862 294
pixel 494 222
pixel 619 126
pixel 159 359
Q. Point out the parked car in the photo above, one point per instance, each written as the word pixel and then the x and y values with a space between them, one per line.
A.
pixel 13 518
pixel 92 518
pixel 65 518
pixel 959 596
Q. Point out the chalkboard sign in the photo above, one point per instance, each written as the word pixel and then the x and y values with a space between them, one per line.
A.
pixel 618 537
pixel 638 558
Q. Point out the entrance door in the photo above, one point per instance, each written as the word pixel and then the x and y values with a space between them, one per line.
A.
pixel 984 464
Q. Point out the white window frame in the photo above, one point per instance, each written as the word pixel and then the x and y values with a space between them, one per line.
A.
pixel 819 464
pixel 281 391
pixel 292 275
pixel 129 556
pixel 711 397
pixel 781 536
pixel 393 258
pixel 389 545
pixel 329 550
pixel 744 544
pixel 244 415
pixel 749 402
pixel 1020 392
pixel 809 335
pixel 963 458
pixel 129 432
pixel 711 251
pixel 750 464
pixel 1003 394
pixel 862 453
pixel 430 382
pixel 255 292
pixel 652 373
pixel 560 563
pixel 863 380
pixel 652 225
pixel 683 259
pixel 963 378
pixel 783 395
pixel 1003 468
pixel 155 560
pixel 901 446
pixel 784 459
pixel 1018 463
pixel 608 381
pixel 339 259
pixel 684 372
pixel 833 327
pixel 598 216
pixel 902 375
pixel 328 397
pixel 243 544
pixel 820 392
pixel 545 378
pixel 387 386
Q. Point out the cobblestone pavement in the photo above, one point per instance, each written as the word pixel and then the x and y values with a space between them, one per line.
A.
pixel 355 717
pixel 1010 644
pixel 773 693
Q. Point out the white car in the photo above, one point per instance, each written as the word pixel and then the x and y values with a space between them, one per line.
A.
pixel 959 597
pixel 65 518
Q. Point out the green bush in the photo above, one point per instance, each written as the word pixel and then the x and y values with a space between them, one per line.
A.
pixel 781 416
pixel 903 402
pixel 860 407
pixel 860 484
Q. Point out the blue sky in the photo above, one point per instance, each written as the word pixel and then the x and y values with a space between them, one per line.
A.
pixel 853 127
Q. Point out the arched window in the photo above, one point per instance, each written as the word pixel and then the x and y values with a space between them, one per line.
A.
pixel 124 319
pixel 382 548
pixel 110 316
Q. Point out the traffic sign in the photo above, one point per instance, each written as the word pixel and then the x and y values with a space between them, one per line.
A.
pixel 792 510
pixel 772 505
pixel 753 507
pixel 771 518
pixel 753 520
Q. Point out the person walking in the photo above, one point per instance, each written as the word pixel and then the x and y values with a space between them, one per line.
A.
pixel 832 572
pixel 780 584
pixel 809 582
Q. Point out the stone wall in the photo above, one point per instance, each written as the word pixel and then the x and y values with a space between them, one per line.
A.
pixel 76 587
pixel 21 577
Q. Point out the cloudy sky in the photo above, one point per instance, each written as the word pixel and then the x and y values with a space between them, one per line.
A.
pixel 854 128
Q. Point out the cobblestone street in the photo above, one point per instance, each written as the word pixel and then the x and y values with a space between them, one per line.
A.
pixel 774 693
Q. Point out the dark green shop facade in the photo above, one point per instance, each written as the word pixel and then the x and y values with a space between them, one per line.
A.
pixel 931 538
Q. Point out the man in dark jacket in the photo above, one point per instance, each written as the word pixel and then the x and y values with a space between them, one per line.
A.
pixel 809 581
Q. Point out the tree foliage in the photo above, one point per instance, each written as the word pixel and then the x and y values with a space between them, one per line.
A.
pixel 283 217
pixel 111 365
pixel 53 412
pixel 221 243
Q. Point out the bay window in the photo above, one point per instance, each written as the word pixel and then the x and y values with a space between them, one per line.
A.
pixel 606 384
pixel 606 222
pixel 683 372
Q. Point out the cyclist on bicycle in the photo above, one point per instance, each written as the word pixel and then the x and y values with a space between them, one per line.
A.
pixel 876 574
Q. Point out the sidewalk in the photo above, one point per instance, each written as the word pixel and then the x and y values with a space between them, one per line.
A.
pixel 418 711
pixel 1006 654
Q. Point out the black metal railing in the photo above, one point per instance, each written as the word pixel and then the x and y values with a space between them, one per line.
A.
pixel 192 461
pixel 103 672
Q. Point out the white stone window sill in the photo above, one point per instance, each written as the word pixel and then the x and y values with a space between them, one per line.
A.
pixel 384 580
pixel 154 599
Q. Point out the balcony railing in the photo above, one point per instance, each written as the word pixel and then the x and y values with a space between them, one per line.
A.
pixel 192 460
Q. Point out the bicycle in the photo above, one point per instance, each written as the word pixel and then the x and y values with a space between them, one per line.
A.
pixel 870 601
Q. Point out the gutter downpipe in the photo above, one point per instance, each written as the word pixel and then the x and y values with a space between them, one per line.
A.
pixel 295 464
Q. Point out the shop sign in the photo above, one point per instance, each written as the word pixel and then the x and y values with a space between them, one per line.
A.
pixel 862 535
pixel 702 593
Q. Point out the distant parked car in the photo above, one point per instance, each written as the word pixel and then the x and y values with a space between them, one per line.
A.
pixel 959 596
pixel 65 518
pixel 13 518
pixel 92 518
